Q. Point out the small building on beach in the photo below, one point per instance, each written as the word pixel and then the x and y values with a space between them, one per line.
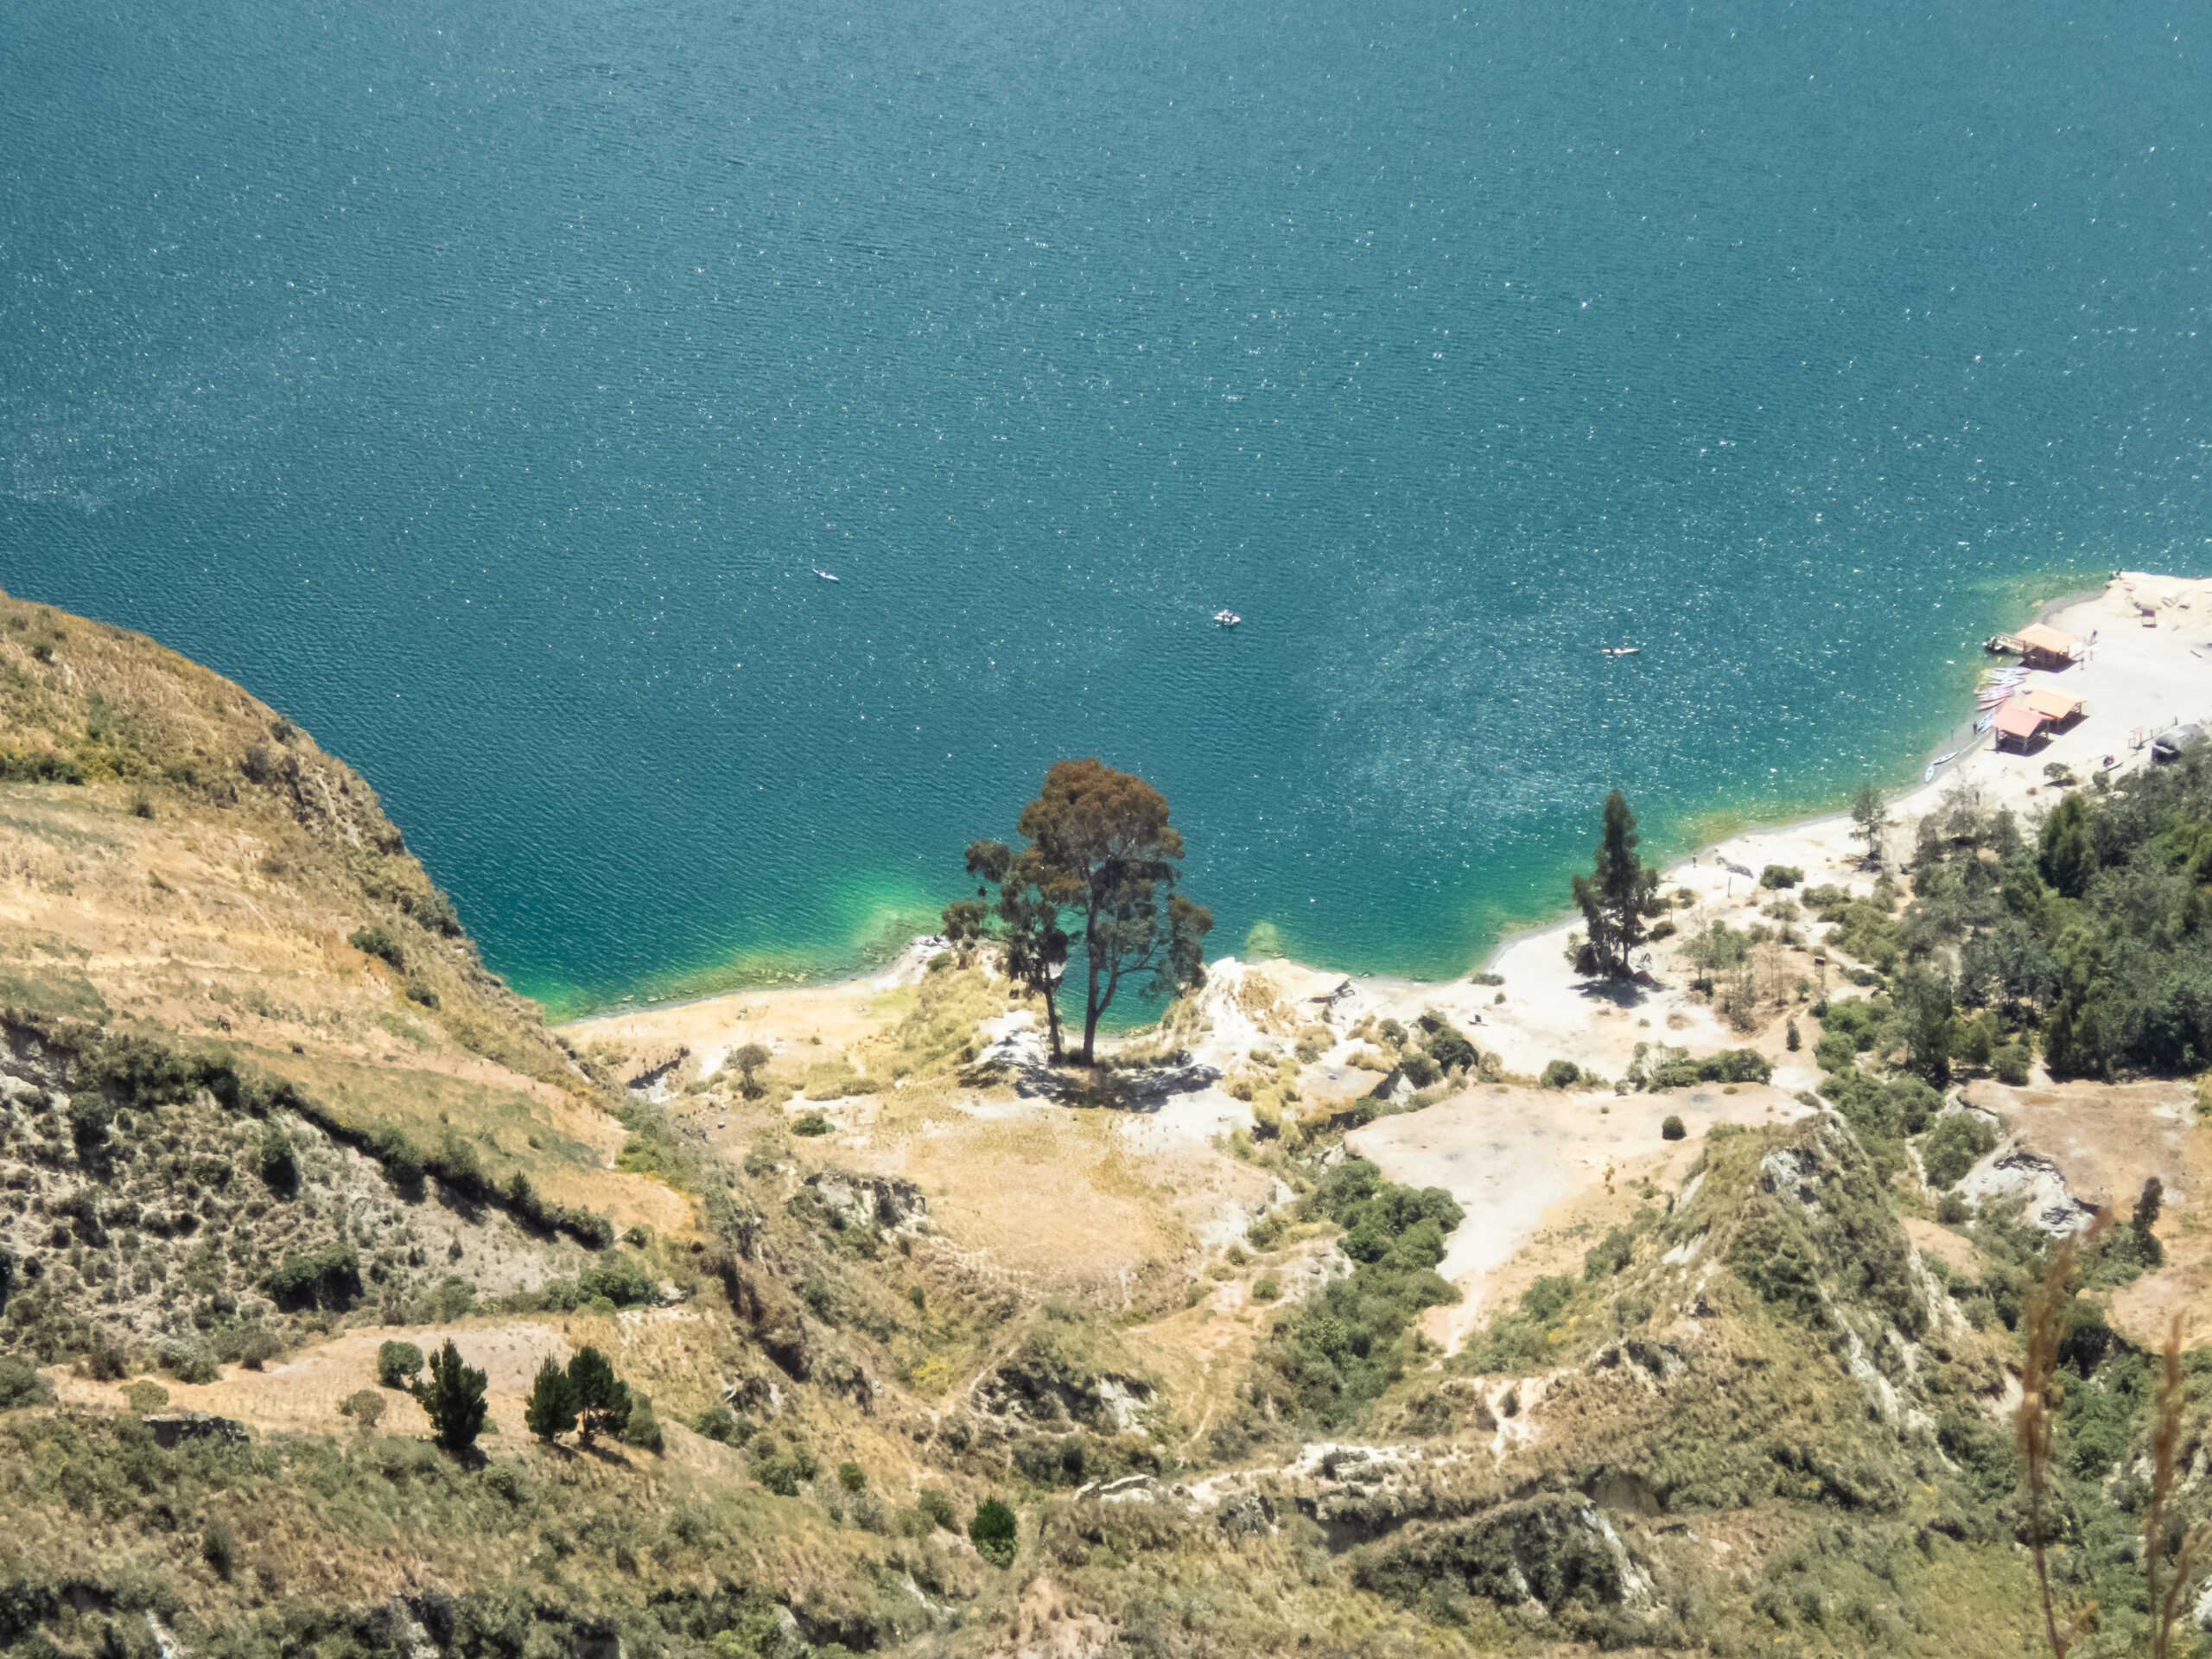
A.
pixel 2054 705
pixel 2044 646
pixel 2018 726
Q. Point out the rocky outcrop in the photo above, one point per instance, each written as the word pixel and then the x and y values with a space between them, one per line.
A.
pixel 173 1429
pixel 2015 1172
pixel 882 1202
pixel 1536 1555
pixel 771 1311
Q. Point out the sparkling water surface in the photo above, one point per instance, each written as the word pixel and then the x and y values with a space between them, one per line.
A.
pixel 482 386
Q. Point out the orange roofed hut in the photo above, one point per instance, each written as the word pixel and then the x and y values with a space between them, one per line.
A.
pixel 2056 707
pixel 2042 646
pixel 2017 724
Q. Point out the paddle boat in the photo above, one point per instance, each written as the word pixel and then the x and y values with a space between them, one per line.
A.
pixel 1227 618
pixel 825 576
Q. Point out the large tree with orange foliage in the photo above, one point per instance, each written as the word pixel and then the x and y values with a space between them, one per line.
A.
pixel 1101 866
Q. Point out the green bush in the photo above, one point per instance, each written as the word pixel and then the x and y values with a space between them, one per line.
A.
pixel 1835 1051
pixel 378 942
pixel 781 1467
pixel 1268 1289
pixel 939 1507
pixel 89 1117
pixel 813 1123
pixel 328 1276
pixel 717 1422
pixel 1609 1254
pixel 2010 1064
pixel 1562 1074
pixel 1672 1130
pixel 279 1162
pixel 1678 1071
pixel 852 1478
pixel 21 1385
pixel 995 1533
pixel 1451 1050
pixel 398 1362
pixel 145 1396
pixel 188 1361
pixel 640 1427
pixel 1955 1146
pixel 365 1406
pixel 219 1548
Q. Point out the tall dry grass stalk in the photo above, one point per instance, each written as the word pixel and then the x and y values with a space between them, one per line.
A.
pixel 2044 1326
pixel 2165 1444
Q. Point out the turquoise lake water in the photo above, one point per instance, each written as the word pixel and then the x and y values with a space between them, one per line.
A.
pixel 481 386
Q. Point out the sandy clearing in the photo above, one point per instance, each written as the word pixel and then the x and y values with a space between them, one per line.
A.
pixel 1512 1157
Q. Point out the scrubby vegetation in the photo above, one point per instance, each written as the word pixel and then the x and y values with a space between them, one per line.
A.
pixel 1342 1348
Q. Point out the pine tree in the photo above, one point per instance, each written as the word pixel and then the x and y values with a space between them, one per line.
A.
pixel 2069 847
pixel 602 1403
pixel 1613 895
pixel 453 1397
pixel 552 1409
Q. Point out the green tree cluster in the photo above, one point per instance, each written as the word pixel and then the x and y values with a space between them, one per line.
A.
pixel 2092 937
pixel 585 1397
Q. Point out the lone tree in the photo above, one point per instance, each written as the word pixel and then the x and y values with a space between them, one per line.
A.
pixel 602 1402
pixel 1613 895
pixel 1869 819
pixel 748 1060
pixel 1101 855
pixel 453 1397
pixel 551 1410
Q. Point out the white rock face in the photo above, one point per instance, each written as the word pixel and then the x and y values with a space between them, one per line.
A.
pixel 2014 1171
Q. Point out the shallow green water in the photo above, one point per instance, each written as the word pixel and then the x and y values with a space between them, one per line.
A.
pixel 482 388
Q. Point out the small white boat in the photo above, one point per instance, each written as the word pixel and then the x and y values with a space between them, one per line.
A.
pixel 1227 618
pixel 1619 650
pixel 825 576
pixel 1985 722
pixel 1946 759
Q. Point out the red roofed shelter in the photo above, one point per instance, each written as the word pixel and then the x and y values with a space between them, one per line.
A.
pixel 2054 706
pixel 2018 723
pixel 2042 646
